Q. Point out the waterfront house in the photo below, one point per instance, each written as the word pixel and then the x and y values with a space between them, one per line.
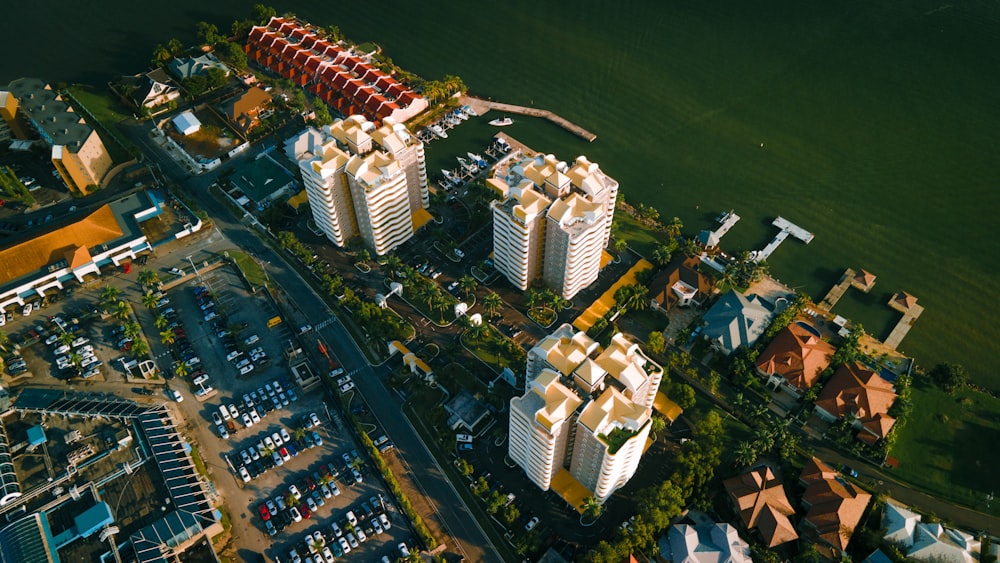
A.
pixel 736 320
pixel 794 360
pixel 834 507
pixel 149 90
pixel 858 392
pixel 681 284
pixel 759 498
pixel 923 541
pixel 186 67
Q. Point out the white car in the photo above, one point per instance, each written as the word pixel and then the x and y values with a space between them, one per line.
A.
pixel 254 453
pixel 202 379
pixel 357 475
pixel 48 341
pixel 362 537
pixel 284 435
pixel 216 419
pixel 26 310
pixel 246 369
pixel 531 524
pixel 327 555
pixel 91 372
pixel 294 491
pixel 252 339
pixel 385 521
pixel 247 400
pixel 244 474
pixel 245 456
pixel 225 413
pixel 352 540
pixel 61 350
pixel 295 514
pixel 337 532
pixel 232 356
pixel 259 357
pixel 277 439
pixel 242 363
pixel 232 411
pixel 377 526
pixel 344 545
pixel 313 419
pixel 80 342
pixel 403 550
pixel 351 518
pixel 269 442
pixel 254 416
pixel 204 391
pixel 312 504
pixel 223 433
pixel 176 395
pixel 247 421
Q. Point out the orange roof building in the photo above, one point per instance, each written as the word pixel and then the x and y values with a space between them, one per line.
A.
pixel 107 235
pixel 760 499
pixel 856 391
pixel 863 280
pixel 795 358
pixel 902 301
pixel 834 506
pixel 339 77
pixel 679 285
pixel 244 110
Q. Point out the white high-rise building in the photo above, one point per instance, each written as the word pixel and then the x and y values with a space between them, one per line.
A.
pixel 552 222
pixel 586 411
pixel 363 181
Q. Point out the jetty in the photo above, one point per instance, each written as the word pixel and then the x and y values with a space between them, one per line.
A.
pixel 787 228
pixel 906 304
pixel 482 106
pixel 837 291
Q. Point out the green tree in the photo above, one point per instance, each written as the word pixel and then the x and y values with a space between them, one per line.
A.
pixel 619 245
pixel 262 13
pixel 477 333
pixel 139 348
pixel 160 55
pixel 148 278
pixel 5 339
pixel 673 228
pixel 215 78
pixel 181 369
pixel 167 337
pixel 322 114
pixel 591 507
pixel 66 338
pixel 633 297
pixel 949 377
pixel 657 425
pixel 467 284
pixel 232 52
pixel 109 296
pixel 208 33
pixel 746 453
pixel 655 342
pixel 131 329
pixel 149 301
pixel 691 248
pixel 196 85
pixel 175 47
pixel 161 322
pixel 492 303
pixel 76 359
pixel 682 394
pixel 363 256
pixel 122 311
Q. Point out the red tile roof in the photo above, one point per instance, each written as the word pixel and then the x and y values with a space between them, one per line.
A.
pixel 855 390
pixel 835 505
pixel 760 499
pixel 797 355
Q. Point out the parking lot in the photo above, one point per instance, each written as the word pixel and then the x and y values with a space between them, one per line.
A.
pixel 226 329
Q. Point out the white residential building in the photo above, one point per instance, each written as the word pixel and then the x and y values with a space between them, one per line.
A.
pixel 363 181
pixel 928 542
pixel 585 412
pixel 552 222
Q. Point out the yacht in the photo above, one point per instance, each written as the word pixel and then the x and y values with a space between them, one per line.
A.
pixel 467 165
pixel 450 176
pixel 470 111
pixel 501 122
pixel 438 130
pixel 460 114
pixel 478 160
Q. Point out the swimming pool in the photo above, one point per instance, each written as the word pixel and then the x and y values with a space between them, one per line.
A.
pixel 809 327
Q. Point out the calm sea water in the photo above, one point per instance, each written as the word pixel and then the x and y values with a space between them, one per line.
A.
pixel 873 125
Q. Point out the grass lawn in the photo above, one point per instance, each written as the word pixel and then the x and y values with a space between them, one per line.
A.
pixel 640 239
pixel 945 447
pixel 251 269
pixel 108 112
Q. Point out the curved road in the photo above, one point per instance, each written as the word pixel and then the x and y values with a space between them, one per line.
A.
pixel 468 537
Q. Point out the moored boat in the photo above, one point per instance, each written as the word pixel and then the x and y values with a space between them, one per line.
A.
pixel 503 122
pixel 470 111
pixel 438 130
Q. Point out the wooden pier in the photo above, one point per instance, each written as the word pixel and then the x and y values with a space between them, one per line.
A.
pixel 482 106
pixel 787 229
pixel 903 326
pixel 837 291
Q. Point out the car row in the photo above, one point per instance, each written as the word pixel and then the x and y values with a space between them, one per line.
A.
pixel 300 501
pixel 346 533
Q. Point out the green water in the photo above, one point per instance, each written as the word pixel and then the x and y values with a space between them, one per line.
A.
pixel 878 120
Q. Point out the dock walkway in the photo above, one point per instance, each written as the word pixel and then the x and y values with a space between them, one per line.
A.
pixel 903 326
pixel 787 228
pixel 481 106
pixel 837 291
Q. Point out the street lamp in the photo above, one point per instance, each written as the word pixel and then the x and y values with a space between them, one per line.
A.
pixel 193 266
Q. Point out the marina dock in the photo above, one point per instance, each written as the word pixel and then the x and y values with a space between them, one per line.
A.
pixel 482 106
pixel 787 229
pixel 726 222
pixel 837 291
pixel 903 326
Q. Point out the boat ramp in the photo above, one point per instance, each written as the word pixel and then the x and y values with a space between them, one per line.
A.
pixel 787 228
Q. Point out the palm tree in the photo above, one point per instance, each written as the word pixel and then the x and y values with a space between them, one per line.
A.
pixel 4 339
pixel 591 508
pixel 532 298
pixel 167 337
pixel 148 278
pixel 674 227
pixel 477 332
pixel 440 304
pixel 632 297
pixel 657 425
pixel 131 330
pixel 299 433
pixel 467 284
pixel 76 359
pixel 746 453
pixel 109 295
pixel 620 245
pixel 392 264
pixel 356 463
pixel 181 369
pixel 161 322
pixel 691 248
pixel 66 338
pixel 492 303
pixel 149 301
pixel 140 348
pixel 122 310
pixel 316 545
pixel 363 255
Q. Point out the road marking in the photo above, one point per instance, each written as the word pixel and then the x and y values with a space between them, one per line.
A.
pixel 326 323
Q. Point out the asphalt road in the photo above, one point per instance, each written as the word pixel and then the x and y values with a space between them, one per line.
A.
pixel 468 537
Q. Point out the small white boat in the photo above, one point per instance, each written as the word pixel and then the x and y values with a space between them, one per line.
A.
pixel 501 122
pixel 469 167
pixel 460 114
pixel 478 160
pixel 470 111
pixel 450 176
pixel 438 130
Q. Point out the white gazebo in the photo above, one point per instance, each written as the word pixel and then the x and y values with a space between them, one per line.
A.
pixel 186 123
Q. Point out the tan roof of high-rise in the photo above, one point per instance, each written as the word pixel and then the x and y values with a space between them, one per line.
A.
pixel 623 361
pixel 761 501
pixel 565 353
pixel 835 505
pixel 559 400
pixel 611 407
pixel 797 355
pixel 20 259
pixel 574 206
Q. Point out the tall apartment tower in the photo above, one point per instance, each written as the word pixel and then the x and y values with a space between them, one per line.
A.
pixel 585 414
pixel 552 222
pixel 363 181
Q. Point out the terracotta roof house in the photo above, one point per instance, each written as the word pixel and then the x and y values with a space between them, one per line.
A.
pixel 760 499
pixel 244 110
pixel 794 359
pixel 859 392
pixel 902 301
pixel 863 280
pixel 834 506
pixel 736 320
pixel 927 542
pixel 679 285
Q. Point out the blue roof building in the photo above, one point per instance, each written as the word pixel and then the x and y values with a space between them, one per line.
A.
pixel 737 320
pixel 36 436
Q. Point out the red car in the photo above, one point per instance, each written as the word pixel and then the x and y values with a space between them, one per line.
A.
pixel 304 510
pixel 264 512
